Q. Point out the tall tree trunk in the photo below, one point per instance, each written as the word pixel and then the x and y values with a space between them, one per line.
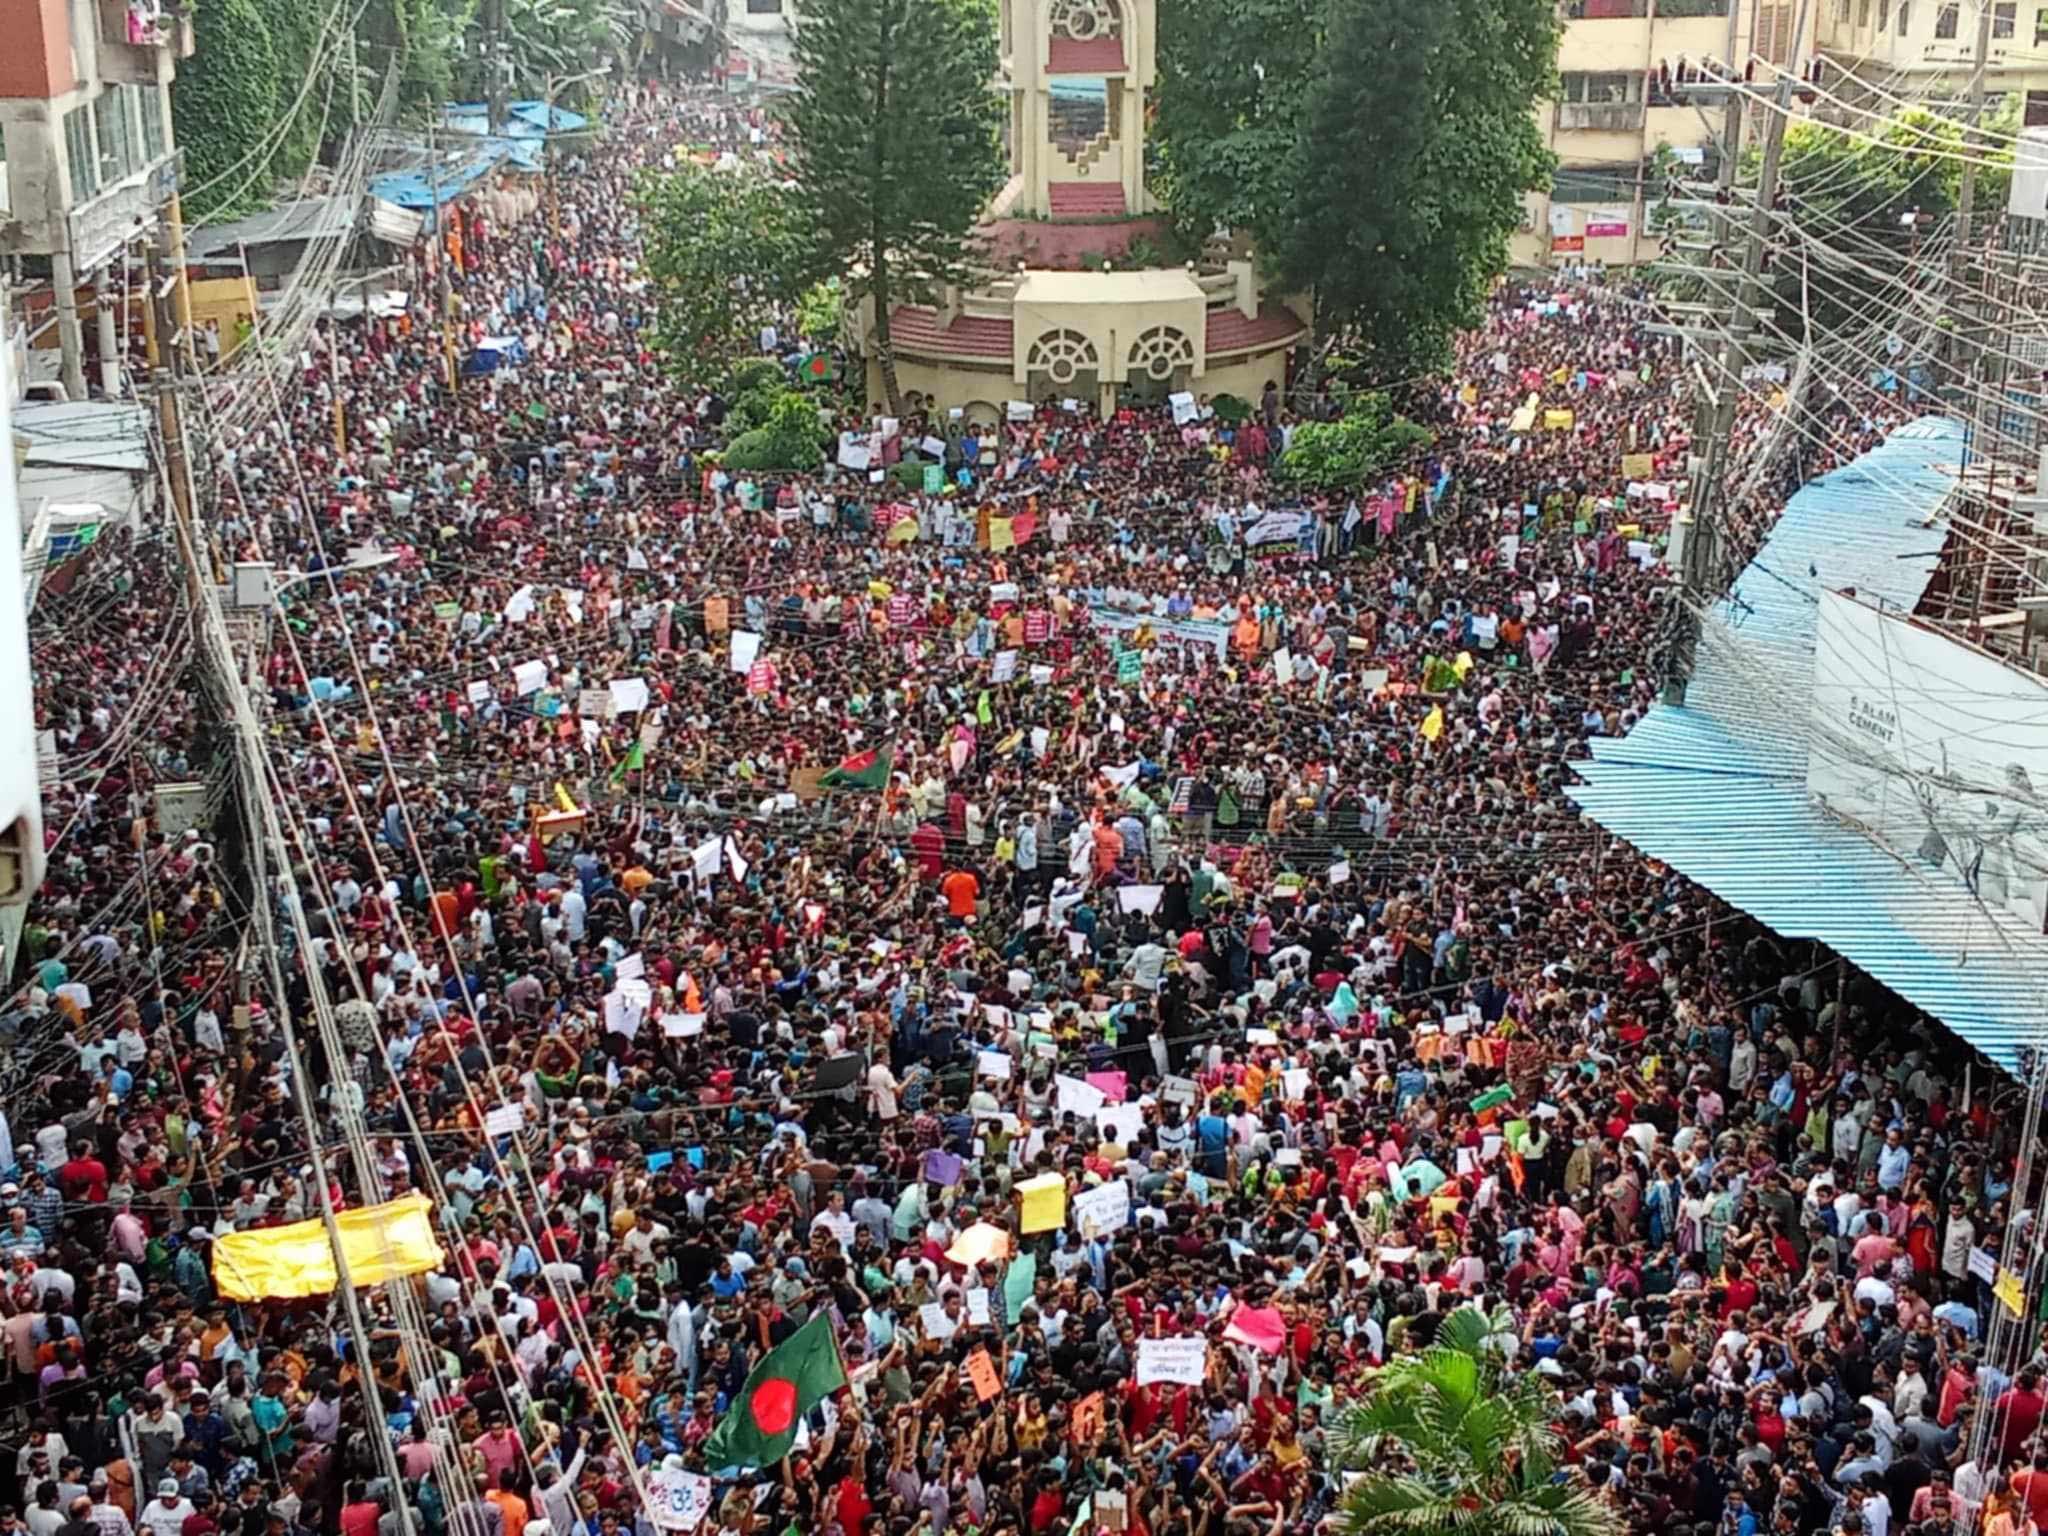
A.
pixel 885 342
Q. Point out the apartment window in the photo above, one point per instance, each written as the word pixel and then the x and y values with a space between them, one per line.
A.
pixel 764 7
pixel 1905 8
pixel 1945 21
pixel 1594 184
pixel 1582 88
pixel 1863 13
pixel 149 105
pixel 2004 16
pixel 113 126
pixel 2041 27
pixel 85 170
pixel 1884 17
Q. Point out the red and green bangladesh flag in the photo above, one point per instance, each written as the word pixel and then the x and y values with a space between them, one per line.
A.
pixel 863 770
pixel 799 1373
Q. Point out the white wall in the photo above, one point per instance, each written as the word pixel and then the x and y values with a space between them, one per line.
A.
pixel 1938 750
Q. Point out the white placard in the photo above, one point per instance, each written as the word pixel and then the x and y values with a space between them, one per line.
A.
pixel 1140 898
pixel 936 1324
pixel 629 695
pixel 1339 873
pixel 1120 1123
pixel 678 1501
pixel 1183 403
pixel 746 645
pixel 1182 1362
pixel 530 677
pixel 1180 1090
pixel 1099 1212
pixel 1003 668
pixel 505 1120
pixel 1077 1097
pixel 996 1064
pixel 1983 1265
pixel 978 1309
pixel 682 1025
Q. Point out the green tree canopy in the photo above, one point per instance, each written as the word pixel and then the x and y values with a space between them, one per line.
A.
pixel 1850 199
pixel 1449 1445
pixel 1346 454
pixel 896 144
pixel 1376 151
pixel 1236 79
pixel 1410 196
pixel 725 256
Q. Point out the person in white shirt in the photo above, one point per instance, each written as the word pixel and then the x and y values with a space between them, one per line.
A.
pixel 166 1514
pixel 882 1086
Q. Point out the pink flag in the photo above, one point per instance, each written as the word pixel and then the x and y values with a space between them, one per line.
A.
pixel 1111 1085
pixel 1261 1327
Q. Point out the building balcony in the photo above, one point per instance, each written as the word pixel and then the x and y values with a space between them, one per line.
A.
pixel 1600 117
pixel 116 214
pixel 141 40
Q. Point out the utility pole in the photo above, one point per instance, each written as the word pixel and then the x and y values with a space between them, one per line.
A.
pixel 496 54
pixel 1700 560
pixel 171 423
pixel 1959 257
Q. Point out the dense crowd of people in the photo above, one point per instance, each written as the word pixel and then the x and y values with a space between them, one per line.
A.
pixel 724 903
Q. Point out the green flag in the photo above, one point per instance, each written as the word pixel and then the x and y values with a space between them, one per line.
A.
pixel 981 710
pixel 1018 1281
pixel 797 1375
pixel 632 762
pixel 863 770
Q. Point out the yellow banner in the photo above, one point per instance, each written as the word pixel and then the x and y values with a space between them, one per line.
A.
pixel 382 1242
pixel 1045 1203
pixel 1638 466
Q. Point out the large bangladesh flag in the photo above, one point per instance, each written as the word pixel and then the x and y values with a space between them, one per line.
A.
pixel 798 1374
pixel 863 770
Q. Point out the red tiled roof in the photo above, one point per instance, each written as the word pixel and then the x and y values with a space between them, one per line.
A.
pixel 1086 199
pixel 1090 56
pixel 916 329
pixel 1229 331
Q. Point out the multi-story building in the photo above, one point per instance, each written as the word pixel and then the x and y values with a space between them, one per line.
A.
pixel 1889 53
pixel 1610 120
pixel 89 162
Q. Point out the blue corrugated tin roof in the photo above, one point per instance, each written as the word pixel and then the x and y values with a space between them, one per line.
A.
pixel 1716 788
pixel 523 119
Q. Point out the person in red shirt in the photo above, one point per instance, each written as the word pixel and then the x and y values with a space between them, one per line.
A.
pixel 360 1514
pixel 85 1176
pixel 1738 1293
pixel 928 846
pixel 201 1521
pixel 2019 1410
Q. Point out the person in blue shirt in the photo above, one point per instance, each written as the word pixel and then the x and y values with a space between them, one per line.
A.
pixel 1212 1134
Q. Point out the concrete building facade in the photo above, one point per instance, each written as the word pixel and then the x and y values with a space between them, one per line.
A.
pixel 89 160
pixel 1610 120
pixel 1889 52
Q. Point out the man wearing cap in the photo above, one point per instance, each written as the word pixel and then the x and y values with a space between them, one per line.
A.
pixel 166 1514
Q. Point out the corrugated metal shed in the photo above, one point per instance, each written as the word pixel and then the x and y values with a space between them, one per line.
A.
pixel 1717 787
